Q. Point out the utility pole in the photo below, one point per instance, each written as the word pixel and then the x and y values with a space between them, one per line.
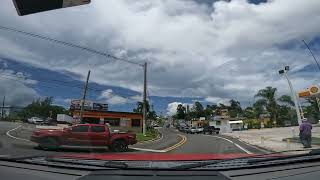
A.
pixel 84 96
pixel 144 100
pixel 2 109
pixel 293 94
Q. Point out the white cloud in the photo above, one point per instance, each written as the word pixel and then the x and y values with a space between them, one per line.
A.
pixel 227 50
pixel 111 98
pixel 218 100
pixel 172 107
pixel 15 88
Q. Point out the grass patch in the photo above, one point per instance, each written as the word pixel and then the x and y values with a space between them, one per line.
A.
pixel 150 134
pixel 315 140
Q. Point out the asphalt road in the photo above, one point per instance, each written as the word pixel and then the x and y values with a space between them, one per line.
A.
pixel 172 142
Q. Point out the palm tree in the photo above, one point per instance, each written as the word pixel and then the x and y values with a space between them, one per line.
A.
pixel 267 96
pixel 139 108
pixel 285 99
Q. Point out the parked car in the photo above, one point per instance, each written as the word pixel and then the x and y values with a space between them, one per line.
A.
pixel 195 130
pixel 84 135
pixel 211 130
pixel 185 129
pixel 50 122
pixel 35 120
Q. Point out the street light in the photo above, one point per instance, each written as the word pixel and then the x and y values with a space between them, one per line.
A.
pixel 293 94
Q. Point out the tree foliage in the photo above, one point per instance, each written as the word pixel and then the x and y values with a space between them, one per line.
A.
pixel 151 114
pixel 42 108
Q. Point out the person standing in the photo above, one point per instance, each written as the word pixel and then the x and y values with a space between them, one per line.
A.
pixel 305 133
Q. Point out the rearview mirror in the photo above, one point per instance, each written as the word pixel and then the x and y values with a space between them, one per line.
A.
pixel 25 7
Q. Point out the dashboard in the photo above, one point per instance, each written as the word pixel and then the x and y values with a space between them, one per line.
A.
pixel 12 170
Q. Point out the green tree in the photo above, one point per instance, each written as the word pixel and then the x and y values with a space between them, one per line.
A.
pixel 312 111
pixel 234 108
pixel 151 114
pixel 269 96
pixel 198 110
pixel 285 99
pixel 210 111
pixel 43 109
pixel 181 112
pixel 249 113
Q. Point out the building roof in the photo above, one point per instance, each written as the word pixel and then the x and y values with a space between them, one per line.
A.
pixel 116 112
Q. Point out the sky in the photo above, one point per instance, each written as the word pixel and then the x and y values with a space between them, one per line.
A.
pixel 197 50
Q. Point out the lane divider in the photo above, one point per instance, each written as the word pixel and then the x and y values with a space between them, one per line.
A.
pixel 237 145
pixel 184 140
pixel 8 134
pixel 175 146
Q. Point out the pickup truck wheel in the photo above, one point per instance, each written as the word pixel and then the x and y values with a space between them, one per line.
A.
pixel 49 144
pixel 119 146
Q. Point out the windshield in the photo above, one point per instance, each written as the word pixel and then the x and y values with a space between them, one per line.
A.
pixel 159 80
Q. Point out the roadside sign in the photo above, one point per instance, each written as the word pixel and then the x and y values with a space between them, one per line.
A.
pixel 26 7
pixel 312 91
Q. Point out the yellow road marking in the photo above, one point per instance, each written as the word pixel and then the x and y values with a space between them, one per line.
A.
pixel 184 140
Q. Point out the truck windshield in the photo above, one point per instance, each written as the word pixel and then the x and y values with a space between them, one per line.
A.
pixel 147 80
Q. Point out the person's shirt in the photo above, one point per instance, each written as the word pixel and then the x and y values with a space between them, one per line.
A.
pixel 305 128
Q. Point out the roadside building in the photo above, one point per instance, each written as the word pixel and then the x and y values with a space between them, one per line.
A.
pixel 123 121
pixel 97 113
pixel 225 122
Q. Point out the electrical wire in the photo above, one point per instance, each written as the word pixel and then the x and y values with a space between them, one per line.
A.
pixel 69 45
pixel 314 58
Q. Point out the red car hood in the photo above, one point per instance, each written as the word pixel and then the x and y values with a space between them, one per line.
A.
pixel 154 156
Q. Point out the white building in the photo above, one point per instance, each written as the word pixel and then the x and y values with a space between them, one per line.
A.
pixel 6 112
pixel 222 122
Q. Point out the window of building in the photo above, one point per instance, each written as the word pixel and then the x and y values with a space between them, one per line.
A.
pixel 80 129
pixel 90 120
pixel 112 121
pixel 135 122
pixel 98 129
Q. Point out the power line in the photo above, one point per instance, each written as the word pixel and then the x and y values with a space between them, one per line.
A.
pixel 305 43
pixel 69 44
pixel 56 85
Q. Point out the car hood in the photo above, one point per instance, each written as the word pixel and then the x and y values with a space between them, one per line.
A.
pixel 154 156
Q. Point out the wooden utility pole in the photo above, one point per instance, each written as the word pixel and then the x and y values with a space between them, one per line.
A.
pixel 84 96
pixel 144 100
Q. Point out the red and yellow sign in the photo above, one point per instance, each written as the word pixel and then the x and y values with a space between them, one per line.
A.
pixel 313 91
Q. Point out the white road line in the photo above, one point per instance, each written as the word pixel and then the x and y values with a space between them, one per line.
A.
pixel 265 151
pixel 8 134
pixel 243 149
pixel 148 150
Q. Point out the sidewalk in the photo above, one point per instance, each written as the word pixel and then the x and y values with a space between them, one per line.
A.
pixel 273 138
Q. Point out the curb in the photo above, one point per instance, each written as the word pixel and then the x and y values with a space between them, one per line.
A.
pixel 159 137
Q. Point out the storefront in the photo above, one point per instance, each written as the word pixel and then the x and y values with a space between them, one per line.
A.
pixel 123 121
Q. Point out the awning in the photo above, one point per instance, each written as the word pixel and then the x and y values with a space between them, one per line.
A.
pixel 236 122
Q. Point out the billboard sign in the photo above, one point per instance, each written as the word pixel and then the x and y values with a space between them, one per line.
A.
pixel 76 105
pixel 313 91
pixel 100 107
pixel 88 105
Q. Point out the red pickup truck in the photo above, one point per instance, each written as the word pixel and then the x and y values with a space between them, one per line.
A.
pixel 83 135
